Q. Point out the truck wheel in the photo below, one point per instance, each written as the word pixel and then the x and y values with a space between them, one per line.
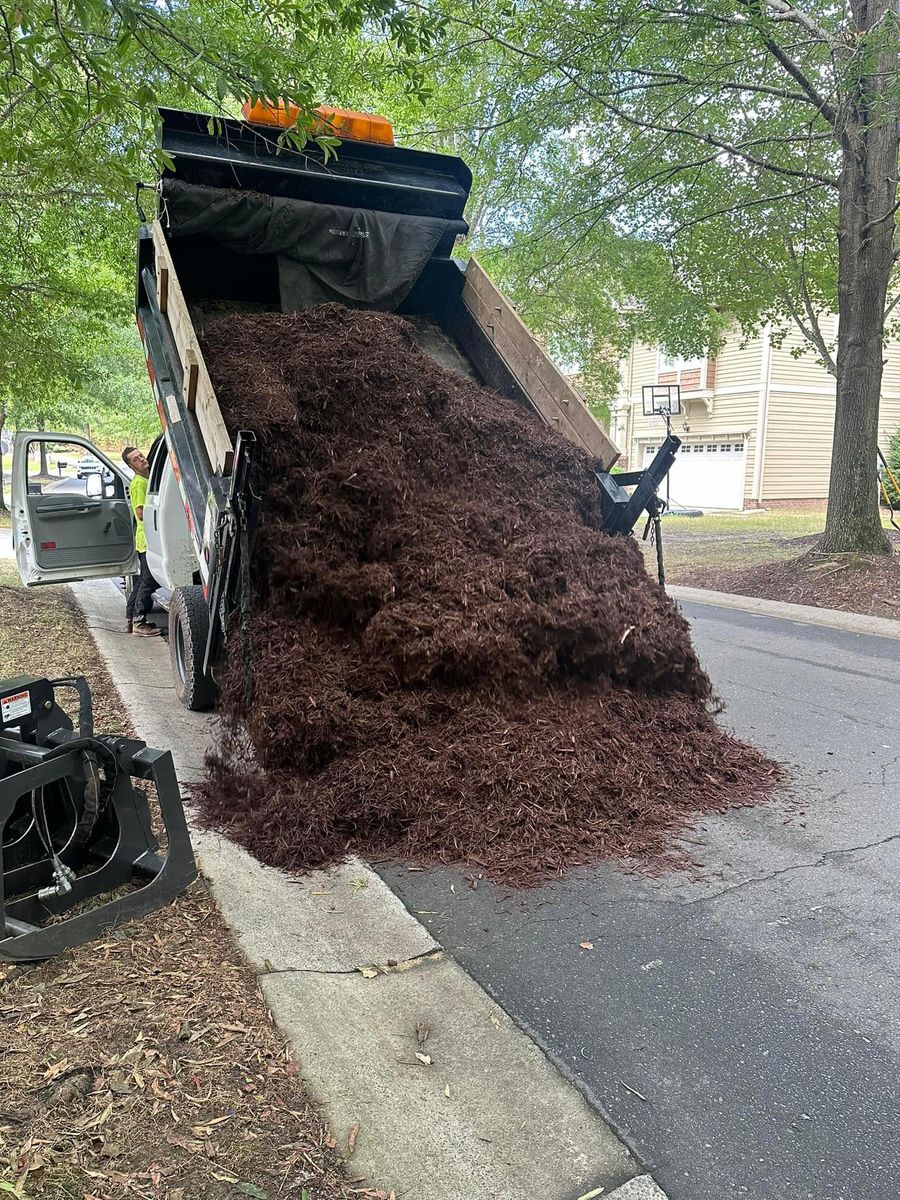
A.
pixel 188 631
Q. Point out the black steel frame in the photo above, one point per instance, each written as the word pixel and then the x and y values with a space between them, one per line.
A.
pixel 122 850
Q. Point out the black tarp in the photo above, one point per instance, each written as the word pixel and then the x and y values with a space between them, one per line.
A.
pixel 356 256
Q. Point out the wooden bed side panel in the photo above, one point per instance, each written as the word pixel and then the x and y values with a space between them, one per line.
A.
pixel 551 393
pixel 199 395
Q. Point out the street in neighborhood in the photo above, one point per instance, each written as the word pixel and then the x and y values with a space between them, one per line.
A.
pixel 450 600
pixel 734 1022
pixel 740 1029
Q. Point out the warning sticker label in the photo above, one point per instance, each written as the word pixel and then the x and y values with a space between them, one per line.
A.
pixel 17 705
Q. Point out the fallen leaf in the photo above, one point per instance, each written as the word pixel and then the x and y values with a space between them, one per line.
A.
pixel 119 1084
pixel 351 1140
pixel 186 1143
pixel 424 1058
pixel 447 1091
pixel 101 1120
pixel 56 1069
pixel 586 945
pixel 422 1032
pixel 368 972
pixel 250 1189
pixel 590 1195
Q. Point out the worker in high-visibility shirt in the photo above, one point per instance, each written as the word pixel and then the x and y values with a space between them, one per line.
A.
pixel 144 585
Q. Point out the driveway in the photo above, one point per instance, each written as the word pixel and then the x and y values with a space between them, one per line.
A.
pixel 740 1031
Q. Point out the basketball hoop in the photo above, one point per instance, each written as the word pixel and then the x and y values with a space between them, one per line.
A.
pixel 661 399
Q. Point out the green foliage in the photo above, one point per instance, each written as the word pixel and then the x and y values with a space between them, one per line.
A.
pixel 893 460
pixel 655 176
pixel 79 87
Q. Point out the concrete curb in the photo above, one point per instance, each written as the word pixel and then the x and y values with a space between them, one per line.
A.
pixel 643 1187
pixel 802 614
pixel 487 1116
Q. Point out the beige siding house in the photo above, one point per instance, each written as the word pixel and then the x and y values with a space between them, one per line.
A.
pixel 756 422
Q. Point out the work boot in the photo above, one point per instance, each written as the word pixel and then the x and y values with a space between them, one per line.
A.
pixel 142 629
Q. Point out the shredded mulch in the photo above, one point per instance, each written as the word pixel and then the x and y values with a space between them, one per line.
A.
pixel 851 582
pixel 146 1065
pixel 452 661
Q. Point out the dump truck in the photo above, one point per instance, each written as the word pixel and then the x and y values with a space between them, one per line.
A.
pixel 243 222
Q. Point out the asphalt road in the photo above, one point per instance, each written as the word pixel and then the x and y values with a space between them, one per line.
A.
pixel 68 484
pixel 741 1032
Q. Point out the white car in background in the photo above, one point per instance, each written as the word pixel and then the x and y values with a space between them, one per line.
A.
pixel 88 466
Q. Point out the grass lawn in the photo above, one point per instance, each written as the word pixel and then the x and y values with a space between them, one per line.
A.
pixel 732 540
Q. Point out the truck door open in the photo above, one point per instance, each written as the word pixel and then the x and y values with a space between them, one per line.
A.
pixel 71 515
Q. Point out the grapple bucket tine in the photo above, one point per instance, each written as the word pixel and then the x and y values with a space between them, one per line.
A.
pixel 46 894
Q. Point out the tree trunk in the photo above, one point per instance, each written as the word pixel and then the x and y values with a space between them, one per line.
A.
pixel 866 199
pixel 43 449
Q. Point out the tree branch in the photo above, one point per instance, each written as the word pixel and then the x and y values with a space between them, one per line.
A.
pixel 719 212
pixel 738 151
pixel 782 10
pixel 811 329
pixel 780 56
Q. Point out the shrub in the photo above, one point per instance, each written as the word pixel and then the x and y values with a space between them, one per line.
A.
pixel 893 458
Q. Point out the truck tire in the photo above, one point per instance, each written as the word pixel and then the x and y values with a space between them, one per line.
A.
pixel 188 631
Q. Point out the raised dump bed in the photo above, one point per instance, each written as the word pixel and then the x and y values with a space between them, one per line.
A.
pixel 226 240
pixel 245 224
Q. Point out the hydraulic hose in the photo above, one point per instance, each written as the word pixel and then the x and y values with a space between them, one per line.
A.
pixel 85 701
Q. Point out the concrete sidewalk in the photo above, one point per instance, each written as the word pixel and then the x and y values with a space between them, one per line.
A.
pixel 488 1116
pixel 802 614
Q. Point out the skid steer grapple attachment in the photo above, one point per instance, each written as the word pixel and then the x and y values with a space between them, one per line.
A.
pixel 77 849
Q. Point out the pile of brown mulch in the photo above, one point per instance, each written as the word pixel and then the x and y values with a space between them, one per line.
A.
pixel 147 1065
pixel 452 661
pixel 850 582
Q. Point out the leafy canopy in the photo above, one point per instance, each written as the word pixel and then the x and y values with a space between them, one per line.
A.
pixel 79 84
pixel 656 169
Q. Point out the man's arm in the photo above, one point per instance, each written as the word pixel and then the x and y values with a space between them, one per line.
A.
pixel 139 512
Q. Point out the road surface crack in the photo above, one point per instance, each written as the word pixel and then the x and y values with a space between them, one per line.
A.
pixel 818 862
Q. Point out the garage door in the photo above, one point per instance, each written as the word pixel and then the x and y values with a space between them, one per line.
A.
pixel 705 474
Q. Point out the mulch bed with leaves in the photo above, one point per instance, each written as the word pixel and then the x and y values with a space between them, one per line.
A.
pixel 851 582
pixel 147 1065
pixel 452 661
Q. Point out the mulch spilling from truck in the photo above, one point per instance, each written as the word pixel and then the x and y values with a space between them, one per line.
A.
pixel 452 662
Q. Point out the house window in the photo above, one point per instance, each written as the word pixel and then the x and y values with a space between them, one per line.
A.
pixel 675 368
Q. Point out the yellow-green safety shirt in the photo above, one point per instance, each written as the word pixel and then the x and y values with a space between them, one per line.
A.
pixel 137 490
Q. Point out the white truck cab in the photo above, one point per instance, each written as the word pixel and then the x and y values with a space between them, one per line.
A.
pixel 69 525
